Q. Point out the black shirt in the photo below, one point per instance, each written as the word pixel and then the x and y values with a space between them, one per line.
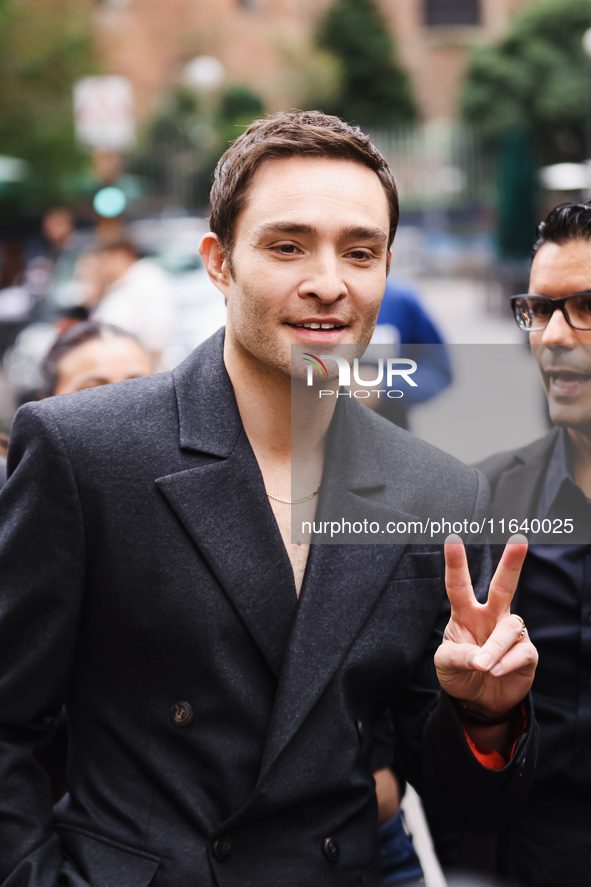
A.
pixel 554 599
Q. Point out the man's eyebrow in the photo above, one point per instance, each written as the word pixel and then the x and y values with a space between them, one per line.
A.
pixel 364 233
pixel 267 228
pixel 360 232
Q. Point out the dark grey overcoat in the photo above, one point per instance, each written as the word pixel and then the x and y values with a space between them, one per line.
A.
pixel 219 730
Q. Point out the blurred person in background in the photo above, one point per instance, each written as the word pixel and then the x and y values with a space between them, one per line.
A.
pixel 26 275
pixel 131 292
pixel 87 354
pixel 90 354
pixel 88 278
pixel 548 844
pixel 33 267
pixel 404 324
pixel 58 228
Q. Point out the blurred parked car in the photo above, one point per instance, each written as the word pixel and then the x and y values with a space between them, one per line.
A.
pixel 172 243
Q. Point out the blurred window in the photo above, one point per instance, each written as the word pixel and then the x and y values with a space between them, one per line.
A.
pixel 452 12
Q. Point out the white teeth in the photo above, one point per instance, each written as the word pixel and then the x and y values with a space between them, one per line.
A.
pixel 317 326
pixel 565 381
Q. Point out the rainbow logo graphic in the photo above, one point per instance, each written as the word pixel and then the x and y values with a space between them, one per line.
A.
pixel 316 362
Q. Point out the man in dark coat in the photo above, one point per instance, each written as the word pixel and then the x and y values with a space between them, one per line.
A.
pixel 549 484
pixel 221 681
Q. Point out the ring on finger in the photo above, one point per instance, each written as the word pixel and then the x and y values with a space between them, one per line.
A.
pixel 522 633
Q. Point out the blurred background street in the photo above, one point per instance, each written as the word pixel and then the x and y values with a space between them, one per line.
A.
pixel 114 113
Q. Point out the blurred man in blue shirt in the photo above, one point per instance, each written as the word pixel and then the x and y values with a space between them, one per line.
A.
pixel 404 324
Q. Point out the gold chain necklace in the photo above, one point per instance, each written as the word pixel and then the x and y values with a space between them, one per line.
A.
pixel 292 501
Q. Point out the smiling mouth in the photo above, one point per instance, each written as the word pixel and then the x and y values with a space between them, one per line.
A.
pixel 318 326
pixel 566 380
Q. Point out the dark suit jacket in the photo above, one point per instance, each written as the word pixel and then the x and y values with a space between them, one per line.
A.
pixel 220 731
pixel 516 477
pixel 2 471
pixel 548 844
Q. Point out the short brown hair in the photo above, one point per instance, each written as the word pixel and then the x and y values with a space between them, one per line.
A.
pixel 289 134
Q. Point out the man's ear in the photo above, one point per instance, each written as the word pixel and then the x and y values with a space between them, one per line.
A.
pixel 388 261
pixel 216 266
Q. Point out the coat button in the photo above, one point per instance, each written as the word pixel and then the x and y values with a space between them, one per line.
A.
pixel 331 849
pixel 223 848
pixel 181 714
pixel 360 730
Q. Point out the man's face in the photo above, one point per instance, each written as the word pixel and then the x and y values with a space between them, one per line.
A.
pixel 558 271
pixel 102 361
pixel 309 261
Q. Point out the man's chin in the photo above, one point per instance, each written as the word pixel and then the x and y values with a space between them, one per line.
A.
pixel 570 418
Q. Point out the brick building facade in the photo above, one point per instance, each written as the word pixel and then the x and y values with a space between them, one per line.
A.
pixel 265 43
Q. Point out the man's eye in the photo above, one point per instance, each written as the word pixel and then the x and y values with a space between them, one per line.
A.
pixel 582 304
pixel 540 309
pixel 287 249
pixel 359 254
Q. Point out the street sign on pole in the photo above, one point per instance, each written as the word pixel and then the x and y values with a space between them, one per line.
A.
pixel 103 112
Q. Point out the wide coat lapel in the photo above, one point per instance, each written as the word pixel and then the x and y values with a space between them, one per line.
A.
pixel 342 583
pixel 222 503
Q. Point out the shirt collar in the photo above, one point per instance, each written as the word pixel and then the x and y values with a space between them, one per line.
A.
pixel 559 476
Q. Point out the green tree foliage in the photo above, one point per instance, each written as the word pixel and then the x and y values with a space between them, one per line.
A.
pixel 308 76
pixel 45 45
pixel 183 142
pixel 238 106
pixel 536 78
pixel 374 89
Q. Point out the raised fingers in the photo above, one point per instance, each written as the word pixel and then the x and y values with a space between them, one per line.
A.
pixel 457 575
pixel 504 582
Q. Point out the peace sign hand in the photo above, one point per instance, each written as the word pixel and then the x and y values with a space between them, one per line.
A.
pixel 486 658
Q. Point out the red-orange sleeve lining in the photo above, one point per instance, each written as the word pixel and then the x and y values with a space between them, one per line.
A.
pixel 494 760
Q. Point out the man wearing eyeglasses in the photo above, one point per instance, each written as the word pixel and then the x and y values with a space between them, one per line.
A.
pixel 549 843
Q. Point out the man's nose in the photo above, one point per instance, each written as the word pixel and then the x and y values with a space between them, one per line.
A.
pixel 558 332
pixel 325 280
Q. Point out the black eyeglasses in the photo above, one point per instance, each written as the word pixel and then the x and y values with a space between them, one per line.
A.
pixel 533 313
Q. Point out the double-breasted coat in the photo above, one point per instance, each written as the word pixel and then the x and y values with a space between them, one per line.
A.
pixel 219 728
